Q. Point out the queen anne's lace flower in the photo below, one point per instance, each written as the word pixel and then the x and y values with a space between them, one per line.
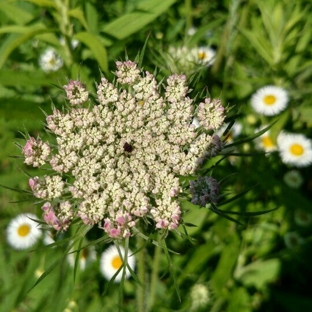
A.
pixel 120 160
pixel 76 92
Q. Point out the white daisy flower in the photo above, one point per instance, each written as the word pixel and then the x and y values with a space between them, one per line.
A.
pixel 293 179
pixel 50 60
pixel 265 142
pixel 87 255
pixel 111 261
pixel 269 100
pixel 205 55
pixel 295 149
pixel 22 232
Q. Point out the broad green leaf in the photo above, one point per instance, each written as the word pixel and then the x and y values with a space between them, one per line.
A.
pixel 202 31
pixel 239 300
pixel 23 78
pixel 224 271
pixel 273 21
pixel 243 84
pixel 260 44
pixel 44 3
pixel 259 273
pixel 94 44
pixel 78 14
pixel 13 41
pixel 306 114
pixel 304 40
pixel 21 29
pixel 92 18
pixel 197 260
pixel 15 13
pixel 130 23
pixel 194 215
pixel 50 38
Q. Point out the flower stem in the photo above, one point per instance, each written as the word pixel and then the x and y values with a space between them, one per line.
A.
pixel 154 277
pixel 188 12
pixel 140 292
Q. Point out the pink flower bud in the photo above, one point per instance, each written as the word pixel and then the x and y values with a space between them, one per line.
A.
pixel 33 182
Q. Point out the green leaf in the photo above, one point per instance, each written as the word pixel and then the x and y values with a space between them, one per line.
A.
pixel 259 273
pixel 260 44
pixel 44 3
pixel 202 31
pixel 10 78
pixel 306 114
pixel 198 259
pixel 14 40
pixel 78 14
pixel 251 138
pixel 130 23
pixel 94 44
pixel 224 271
pixel 16 14
pixel 239 300
pixel 92 17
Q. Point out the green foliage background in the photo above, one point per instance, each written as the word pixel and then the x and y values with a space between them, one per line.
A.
pixel 246 268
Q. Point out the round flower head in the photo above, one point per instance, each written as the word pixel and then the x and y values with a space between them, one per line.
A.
pixel 295 149
pixel 269 100
pixel 22 232
pixel 293 179
pixel 205 55
pixel 111 261
pixel 50 60
pixel 204 190
pixel 124 155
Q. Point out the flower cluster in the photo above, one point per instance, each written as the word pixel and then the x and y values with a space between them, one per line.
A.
pixel 119 160
pixel 204 190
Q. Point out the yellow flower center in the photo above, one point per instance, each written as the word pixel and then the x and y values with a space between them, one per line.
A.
pixel 296 149
pixel 116 262
pixel 141 102
pixel 201 55
pixel 269 99
pixel 84 253
pixel 267 142
pixel 23 230
pixel 52 61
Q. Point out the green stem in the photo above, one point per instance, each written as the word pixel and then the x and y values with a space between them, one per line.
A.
pixel 154 277
pixel 188 13
pixel 66 28
pixel 140 292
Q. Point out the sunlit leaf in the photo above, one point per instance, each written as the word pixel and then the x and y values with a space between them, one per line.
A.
pixel 97 48
pixel 16 14
pixel 130 23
